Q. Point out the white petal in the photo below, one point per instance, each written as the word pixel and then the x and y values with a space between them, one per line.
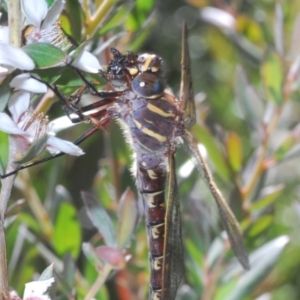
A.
pixel 15 57
pixel 34 11
pixel 4 34
pixel 64 146
pixel 218 17
pixel 86 61
pixel 18 104
pixel 3 73
pixel 53 13
pixel 61 123
pixel 8 125
pixel 25 82
pixel 37 289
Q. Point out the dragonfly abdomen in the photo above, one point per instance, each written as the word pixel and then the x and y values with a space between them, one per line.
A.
pixel 151 180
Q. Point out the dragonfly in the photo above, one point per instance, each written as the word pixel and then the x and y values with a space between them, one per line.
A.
pixel 155 123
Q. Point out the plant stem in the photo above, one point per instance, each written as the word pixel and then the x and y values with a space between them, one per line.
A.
pixel 93 23
pixel 99 282
pixel 14 21
pixel 7 185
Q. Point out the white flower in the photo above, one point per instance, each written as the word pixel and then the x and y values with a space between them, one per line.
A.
pixel 36 289
pixel 14 57
pixel 27 83
pixel 45 28
pixel 43 25
pixel 87 62
pixel 29 126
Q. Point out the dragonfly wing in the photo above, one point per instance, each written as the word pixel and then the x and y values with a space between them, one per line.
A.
pixel 173 251
pixel 187 103
pixel 229 221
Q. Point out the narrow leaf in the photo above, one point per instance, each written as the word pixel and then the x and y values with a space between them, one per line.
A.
pixel 36 148
pixel 204 136
pixel 295 44
pixel 278 29
pixel 262 261
pixel 69 269
pixel 270 194
pixel 127 214
pixel 15 208
pixel 5 92
pixel 247 99
pixel 234 151
pixel 272 75
pixel 47 273
pixel 100 219
pixel 260 225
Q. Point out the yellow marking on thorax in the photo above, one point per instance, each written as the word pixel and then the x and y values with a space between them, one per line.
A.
pixel 150 132
pixel 159 111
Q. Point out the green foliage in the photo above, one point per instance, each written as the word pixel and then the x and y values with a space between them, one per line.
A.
pixel 246 82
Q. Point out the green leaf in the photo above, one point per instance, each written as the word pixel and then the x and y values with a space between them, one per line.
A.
pixel 72 22
pixel 47 273
pixel 5 92
pixel 66 289
pixel 45 55
pixel 100 219
pixel 271 193
pixel 261 261
pixel 67 232
pixel 127 215
pixel 204 137
pixel 36 148
pixel 78 50
pixel 289 145
pixel 119 18
pixel 15 208
pixel 247 99
pixel 292 153
pixel 234 151
pixel 50 3
pixel 272 75
pixel 284 147
pixel 69 269
pixel 260 225
pixel 215 251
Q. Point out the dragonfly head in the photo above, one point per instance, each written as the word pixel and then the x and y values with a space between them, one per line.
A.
pixel 140 72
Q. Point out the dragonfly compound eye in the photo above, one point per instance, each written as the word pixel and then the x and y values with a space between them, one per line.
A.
pixel 148 85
